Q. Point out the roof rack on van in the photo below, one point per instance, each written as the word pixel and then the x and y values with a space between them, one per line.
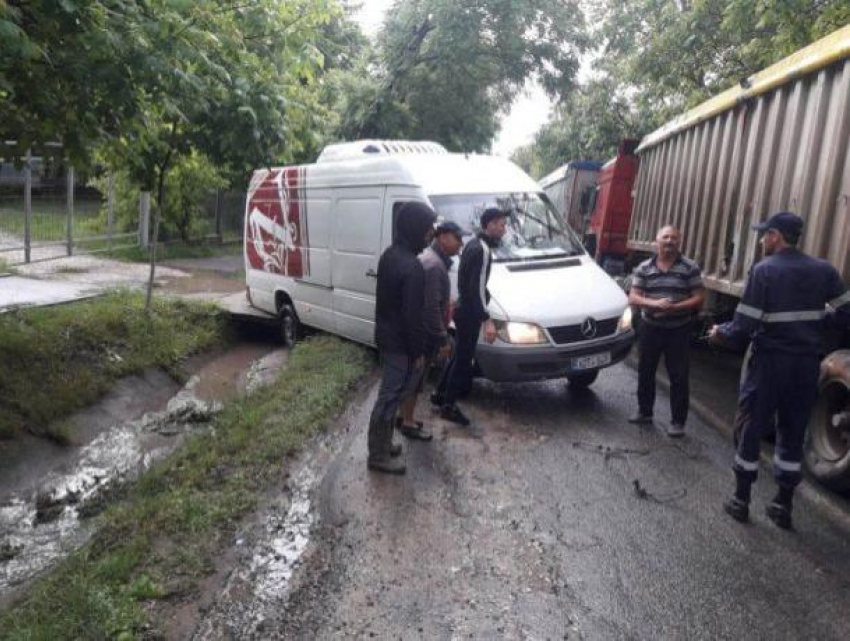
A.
pixel 371 148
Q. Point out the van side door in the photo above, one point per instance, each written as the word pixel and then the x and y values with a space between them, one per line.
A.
pixel 356 249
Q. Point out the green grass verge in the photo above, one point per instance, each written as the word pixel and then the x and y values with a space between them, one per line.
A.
pixel 156 543
pixel 59 359
pixel 174 250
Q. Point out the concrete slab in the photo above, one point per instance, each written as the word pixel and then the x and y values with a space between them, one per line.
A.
pixel 19 291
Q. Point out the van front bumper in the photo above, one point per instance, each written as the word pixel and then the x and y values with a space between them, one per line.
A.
pixel 503 362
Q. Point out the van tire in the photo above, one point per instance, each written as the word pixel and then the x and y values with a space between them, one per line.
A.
pixel 827 449
pixel 289 326
pixel 582 380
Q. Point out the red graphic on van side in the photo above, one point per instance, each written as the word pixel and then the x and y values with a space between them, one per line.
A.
pixel 276 223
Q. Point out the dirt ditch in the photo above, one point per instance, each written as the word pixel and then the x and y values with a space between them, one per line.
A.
pixel 47 491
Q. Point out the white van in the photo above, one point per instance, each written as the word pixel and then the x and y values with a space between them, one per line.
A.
pixel 314 234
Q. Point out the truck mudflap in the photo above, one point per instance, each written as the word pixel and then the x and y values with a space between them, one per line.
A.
pixel 827 451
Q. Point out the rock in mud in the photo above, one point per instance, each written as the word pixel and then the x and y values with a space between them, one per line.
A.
pixel 9 551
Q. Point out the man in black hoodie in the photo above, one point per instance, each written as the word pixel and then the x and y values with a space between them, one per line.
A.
pixel 399 330
pixel 471 316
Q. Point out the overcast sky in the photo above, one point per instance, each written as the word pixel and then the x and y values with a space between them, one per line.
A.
pixel 529 111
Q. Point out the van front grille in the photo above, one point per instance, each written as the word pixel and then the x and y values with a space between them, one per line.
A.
pixel 572 333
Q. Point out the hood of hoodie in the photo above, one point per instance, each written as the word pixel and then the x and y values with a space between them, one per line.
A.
pixel 413 220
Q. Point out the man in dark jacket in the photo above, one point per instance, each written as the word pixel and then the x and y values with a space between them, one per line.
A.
pixel 436 261
pixel 471 316
pixel 399 331
pixel 782 312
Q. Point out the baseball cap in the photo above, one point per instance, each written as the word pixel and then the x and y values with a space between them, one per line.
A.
pixel 784 222
pixel 448 227
pixel 490 214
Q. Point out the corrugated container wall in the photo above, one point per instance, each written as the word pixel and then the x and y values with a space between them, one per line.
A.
pixel 784 149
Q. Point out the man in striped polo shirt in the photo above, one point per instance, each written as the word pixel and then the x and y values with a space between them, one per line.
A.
pixel 668 289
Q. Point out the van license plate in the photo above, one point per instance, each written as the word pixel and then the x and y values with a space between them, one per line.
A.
pixel 593 361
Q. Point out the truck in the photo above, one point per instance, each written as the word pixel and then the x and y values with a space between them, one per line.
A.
pixel 596 200
pixel 776 141
pixel 570 189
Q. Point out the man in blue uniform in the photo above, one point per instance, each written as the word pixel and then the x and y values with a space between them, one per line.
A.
pixel 782 312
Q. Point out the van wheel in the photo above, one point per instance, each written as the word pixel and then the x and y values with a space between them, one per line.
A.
pixel 582 380
pixel 289 326
pixel 827 450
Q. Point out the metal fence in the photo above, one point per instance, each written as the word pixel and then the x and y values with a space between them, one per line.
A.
pixel 48 211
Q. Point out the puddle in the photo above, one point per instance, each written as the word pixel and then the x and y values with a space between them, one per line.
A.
pixel 270 552
pixel 140 422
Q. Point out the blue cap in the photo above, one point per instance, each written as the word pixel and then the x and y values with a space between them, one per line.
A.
pixel 784 222
pixel 448 227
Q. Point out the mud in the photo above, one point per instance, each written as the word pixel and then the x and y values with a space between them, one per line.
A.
pixel 550 518
pixel 46 499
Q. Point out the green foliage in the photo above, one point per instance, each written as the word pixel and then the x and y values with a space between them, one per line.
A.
pixel 658 58
pixel 192 180
pixel 162 537
pixel 59 359
pixel 446 71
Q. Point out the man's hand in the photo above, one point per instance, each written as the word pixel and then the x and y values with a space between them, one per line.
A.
pixel 489 331
pixel 662 304
pixel 714 335
pixel 445 351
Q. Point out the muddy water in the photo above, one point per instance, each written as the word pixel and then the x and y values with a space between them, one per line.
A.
pixel 45 489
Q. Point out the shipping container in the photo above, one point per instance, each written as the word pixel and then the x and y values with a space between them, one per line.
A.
pixel 778 141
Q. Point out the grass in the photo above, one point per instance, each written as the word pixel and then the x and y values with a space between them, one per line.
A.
pixel 171 251
pixel 59 359
pixel 156 543
pixel 49 222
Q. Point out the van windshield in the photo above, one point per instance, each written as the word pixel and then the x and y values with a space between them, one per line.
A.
pixel 535 231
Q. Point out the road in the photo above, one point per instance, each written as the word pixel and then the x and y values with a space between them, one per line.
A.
pixel 550 518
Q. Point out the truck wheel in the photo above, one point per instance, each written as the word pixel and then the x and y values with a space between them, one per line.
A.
pixel 827 450
pixel 582 380
pixel 289 326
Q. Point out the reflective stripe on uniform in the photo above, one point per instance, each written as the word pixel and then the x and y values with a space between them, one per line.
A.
pixel 793 317
pixel 786 466
pixel 835 303
pixel 752 312
pixel 749 466
pixel 482 281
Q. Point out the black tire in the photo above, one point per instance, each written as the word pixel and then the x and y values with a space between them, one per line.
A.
pixel 827 450
pixel 583 380
pixel 290 328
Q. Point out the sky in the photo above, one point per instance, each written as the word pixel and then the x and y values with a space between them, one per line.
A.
pixel 528 112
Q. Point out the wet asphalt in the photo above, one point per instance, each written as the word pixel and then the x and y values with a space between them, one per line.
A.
pixel 551 518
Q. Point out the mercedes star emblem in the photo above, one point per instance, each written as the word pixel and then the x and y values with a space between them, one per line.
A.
pixel 588 327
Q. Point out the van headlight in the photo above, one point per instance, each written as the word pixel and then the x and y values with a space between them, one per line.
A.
pixel 625 322
pixel 520 333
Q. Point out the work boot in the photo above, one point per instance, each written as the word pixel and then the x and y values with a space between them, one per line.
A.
pixel 386 465
pixel 675 430
pixel 416 432
pixel 641 419
pixel 780 514
pixel 452 413
pixel 737 509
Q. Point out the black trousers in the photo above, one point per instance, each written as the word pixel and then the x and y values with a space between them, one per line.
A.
pixel 673 344
pixel 456 380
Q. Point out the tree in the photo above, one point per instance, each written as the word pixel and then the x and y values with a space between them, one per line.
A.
pixel 445 71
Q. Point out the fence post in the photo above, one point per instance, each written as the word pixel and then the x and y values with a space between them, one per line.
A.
pixel 28 207
pixel 110 208
pixel 144 218
pixel 218 215
pixel 69 222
